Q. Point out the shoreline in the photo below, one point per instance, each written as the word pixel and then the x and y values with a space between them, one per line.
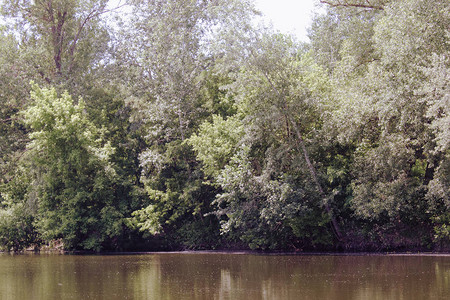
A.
pixel 235 252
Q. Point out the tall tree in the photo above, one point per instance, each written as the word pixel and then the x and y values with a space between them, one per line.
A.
pixel 388 101
pixel 269 179
pixel 168 53
pixel 63 41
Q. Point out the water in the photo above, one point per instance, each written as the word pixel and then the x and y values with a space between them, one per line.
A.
pixel 223 276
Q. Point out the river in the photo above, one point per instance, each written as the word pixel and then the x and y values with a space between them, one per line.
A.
pixel 234 276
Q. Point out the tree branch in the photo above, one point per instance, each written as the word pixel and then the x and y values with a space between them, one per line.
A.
pixel 7 120
pixel 366 4
pixel 92 14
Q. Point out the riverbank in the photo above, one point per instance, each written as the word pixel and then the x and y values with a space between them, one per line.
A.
pixel 236 252
pixel 57 246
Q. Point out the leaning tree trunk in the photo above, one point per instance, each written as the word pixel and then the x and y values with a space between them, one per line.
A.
pixel 313 173
pixel 312 170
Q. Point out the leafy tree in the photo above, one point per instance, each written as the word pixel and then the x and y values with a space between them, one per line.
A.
pixel 168 54
pixel 268 179
pixel 13 93
pixel 197 130
pixel 217 143
pixel 58 43
pixel 17 229
pixel 62 41
pixel 385 113
pixel 73 179
pixel 344 35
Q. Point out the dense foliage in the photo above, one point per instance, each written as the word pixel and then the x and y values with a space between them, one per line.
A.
pixel 178 124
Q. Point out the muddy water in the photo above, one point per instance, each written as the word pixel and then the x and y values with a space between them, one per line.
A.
pixel 223 276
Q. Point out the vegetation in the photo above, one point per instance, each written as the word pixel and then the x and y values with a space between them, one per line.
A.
pixel 183 126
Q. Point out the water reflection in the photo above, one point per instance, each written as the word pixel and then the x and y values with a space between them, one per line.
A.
pixel 223 276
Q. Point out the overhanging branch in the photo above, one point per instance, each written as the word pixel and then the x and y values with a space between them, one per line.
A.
pixel 361 4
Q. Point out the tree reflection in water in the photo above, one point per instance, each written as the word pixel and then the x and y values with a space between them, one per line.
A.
pixel 223 276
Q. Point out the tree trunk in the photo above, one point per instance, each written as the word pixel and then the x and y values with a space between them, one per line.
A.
pixel 312 170
pixel 313 173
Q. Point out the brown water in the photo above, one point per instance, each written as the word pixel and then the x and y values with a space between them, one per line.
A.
pixel 223 276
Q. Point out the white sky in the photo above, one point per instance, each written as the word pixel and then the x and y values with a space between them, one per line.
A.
pixel 288 16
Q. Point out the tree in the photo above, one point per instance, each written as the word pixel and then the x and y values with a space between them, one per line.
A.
pixel 17 229
pixel 73 181
pixel 385 112
pixel 170 51
pixel 62 41
pixel 268 179
pixel 168 57
pixel 58 43
pixel 13 93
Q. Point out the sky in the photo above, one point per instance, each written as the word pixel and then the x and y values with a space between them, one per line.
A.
pixel 288 16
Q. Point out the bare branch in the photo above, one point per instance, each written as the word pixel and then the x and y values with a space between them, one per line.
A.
pixel 91 15
pixel 366 4
pixel 8 120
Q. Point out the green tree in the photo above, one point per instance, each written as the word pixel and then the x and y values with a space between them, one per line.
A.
pixel 168 56
pixel 73 180
pixel 270 184
pixel 62 42
pixel 58 43
pixel 12 98
pixel 387 112
pixel 17 228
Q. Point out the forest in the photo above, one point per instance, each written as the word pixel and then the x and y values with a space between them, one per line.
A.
pixel 152 125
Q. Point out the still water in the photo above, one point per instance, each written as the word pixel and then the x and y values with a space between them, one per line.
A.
pixel 223 276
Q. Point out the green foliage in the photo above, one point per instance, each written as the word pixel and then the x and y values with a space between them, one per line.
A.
pixel 61 41
pixel 216 143
pixel 254 156
pixel 195 130
pixel 405 138
pixel 146 219
pixel 386 89
pixel 312 229
pixel 175 89
pixel 74 179
pixel 442 229
pixel 16 228
pixel 13 95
